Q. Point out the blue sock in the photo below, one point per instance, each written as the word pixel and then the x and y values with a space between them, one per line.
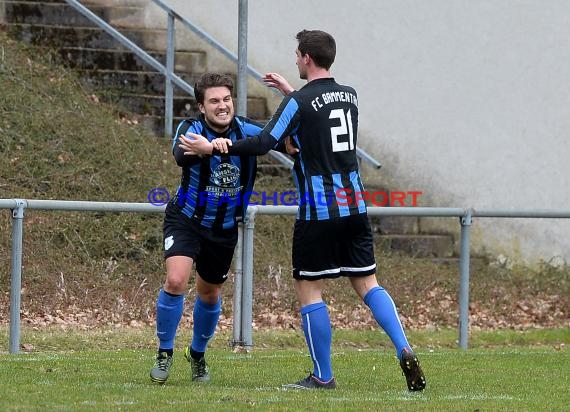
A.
pixel 205 321
pixel 318 334
pixel 385 312
pixel 168 314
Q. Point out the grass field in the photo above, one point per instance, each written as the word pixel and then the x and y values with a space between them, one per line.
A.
pixel 108 370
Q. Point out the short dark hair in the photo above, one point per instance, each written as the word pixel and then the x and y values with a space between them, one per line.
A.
pixel 208 80
pixel 319 45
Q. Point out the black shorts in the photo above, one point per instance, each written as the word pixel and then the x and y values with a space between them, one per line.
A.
pixel 332 248
pixel 211 250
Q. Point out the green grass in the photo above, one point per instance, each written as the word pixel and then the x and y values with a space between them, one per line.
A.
pixel 108 370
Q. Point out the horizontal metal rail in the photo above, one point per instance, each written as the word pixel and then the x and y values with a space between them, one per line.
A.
pixel 244 288
pixel 80 206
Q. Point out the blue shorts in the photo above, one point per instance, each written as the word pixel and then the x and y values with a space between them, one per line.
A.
pixel 332 248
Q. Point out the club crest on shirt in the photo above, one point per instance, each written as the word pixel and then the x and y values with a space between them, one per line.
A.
pixel 225 175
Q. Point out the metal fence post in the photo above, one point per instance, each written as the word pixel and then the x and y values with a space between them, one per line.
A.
pixel 466 222
pixel 238 283
pixel 169 70
pixel 242 59
pixel 247 291
pixel 16 276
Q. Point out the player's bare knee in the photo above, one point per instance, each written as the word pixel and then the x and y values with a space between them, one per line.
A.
pixel 176 284
pixel 208 292
pixel 209 295
pixel 362 285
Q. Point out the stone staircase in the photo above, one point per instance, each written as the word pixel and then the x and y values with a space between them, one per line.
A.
pixel 404 234
pixel 117 75
pixel 107 67
pixel 412 235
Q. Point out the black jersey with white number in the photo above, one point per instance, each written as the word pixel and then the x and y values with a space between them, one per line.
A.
pixel 322 118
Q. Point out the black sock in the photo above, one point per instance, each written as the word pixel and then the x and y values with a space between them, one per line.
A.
pixel 196 355
pixel 169 352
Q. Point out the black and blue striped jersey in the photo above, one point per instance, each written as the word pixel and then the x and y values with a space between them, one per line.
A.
pixel 322 118
pixel 215 190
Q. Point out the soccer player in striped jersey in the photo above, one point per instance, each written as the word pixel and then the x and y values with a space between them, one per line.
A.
pixel 200 224
pixel 332 236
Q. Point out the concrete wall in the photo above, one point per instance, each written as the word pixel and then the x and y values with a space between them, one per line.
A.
pixel 468 101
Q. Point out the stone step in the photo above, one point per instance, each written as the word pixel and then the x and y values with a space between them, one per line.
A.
pixel 109 3
pixel 183 106
pixel 131 82
pixel 185 61
pixel 56 37
pixel 269 166
pixel 62 14
pixel 474 260
pixel 404 234
pixel 156 124
pixel 418 245
pixel 395 224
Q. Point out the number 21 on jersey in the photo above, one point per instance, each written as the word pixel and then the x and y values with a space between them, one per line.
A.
pixel 344 128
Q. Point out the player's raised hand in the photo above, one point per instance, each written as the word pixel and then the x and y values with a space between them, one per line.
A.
pixel 278 82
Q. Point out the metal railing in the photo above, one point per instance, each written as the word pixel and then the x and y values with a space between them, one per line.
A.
pixel 243 285
pixel 171 78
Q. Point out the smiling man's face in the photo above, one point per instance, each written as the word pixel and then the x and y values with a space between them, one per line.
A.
pixel 218 108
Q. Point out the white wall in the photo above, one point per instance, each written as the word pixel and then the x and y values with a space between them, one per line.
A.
pixel 468 101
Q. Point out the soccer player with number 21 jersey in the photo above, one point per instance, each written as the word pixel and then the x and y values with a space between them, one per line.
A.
pixel 330 240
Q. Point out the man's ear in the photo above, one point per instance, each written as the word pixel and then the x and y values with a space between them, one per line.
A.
pixel 201 108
